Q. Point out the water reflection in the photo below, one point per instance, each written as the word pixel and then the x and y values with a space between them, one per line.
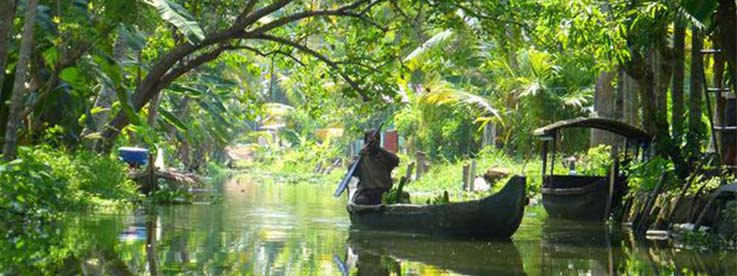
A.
pixel 576 248
pixel 459 256
pixel 300 230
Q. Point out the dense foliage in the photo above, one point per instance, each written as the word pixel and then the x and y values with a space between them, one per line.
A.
pixel 456 79
pixel 44 182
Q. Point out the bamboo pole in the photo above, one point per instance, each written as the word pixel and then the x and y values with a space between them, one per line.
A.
pixel 642 216
pixel 677 203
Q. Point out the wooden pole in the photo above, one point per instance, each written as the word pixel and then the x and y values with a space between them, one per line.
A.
pixel 612 179
pixel 702 215
pixel 420 156
pixel 642 217
pixel 465 176
pixel 545 161
pixel 677 203
pixel 151 175
pixel 472 176
pixel 408 174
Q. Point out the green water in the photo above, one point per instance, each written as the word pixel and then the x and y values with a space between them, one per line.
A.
pixel 301 230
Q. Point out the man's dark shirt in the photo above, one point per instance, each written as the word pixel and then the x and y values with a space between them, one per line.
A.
pixel 375 169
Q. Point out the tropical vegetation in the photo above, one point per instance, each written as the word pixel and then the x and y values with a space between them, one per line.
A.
pixel 298 82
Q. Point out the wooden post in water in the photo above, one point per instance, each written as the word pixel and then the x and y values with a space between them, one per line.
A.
pixel 472 176
pixel 466 170
pixel 612 179
pixel 420 156
pixel 152 185
pixel 408 174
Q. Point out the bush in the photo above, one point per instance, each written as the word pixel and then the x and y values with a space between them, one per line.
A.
pixel 597 161
pixel 44 182
pixel 643 176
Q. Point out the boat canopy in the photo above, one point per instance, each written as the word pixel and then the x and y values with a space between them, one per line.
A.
pixel 626 130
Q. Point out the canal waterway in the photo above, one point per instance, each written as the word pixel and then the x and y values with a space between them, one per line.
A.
pixel 300 229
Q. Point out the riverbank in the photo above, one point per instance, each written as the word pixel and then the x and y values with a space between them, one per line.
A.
pixel 294 165
pixel 44 183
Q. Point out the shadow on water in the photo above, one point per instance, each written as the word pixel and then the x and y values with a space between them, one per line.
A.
pixel 301 230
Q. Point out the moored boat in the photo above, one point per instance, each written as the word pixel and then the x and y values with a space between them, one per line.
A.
pixel 496 216
pixel 582 197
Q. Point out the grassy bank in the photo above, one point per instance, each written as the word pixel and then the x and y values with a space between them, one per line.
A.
pixel 292 165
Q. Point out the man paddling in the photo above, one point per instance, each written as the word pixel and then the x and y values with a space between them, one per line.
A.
pixel 374 171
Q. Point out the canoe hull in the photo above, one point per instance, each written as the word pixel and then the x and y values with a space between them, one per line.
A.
pixel 497 216
pixel 580 202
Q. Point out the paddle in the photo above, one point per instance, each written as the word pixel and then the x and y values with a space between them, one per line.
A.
pixel 341 265
pixel 347 178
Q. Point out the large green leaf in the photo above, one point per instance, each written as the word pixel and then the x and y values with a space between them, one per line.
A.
pixel 171 119
pixel 188 91
pixel 73 77
pixel 178 16
pixel 134 38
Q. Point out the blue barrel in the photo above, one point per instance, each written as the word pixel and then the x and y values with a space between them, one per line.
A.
pixel 133 156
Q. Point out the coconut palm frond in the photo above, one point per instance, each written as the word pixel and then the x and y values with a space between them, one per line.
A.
pixel 690 17
pixel 435 41
pixel 444 93
pixel 579 98
pixel 277 109
pixel 531 88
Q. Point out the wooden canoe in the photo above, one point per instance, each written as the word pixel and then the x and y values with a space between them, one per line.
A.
pixel 581 198
pixel 496 216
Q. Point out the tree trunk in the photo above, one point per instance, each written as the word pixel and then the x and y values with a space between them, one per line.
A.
pixel 7 12
pixel 654 120
pixel 642 71
pixel 630 100
pixel 153 109
pixel 726 18
pixel 619 97
pixel 664 71
pixel 695 126
pixel 679 44
pixel 604 95
pixel 662 68
pixel 16 101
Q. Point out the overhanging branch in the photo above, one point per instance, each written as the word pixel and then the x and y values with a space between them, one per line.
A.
pixel 320 57
pixel 346 10
pixel 173 74
pixel 271 53
pixel 244 20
